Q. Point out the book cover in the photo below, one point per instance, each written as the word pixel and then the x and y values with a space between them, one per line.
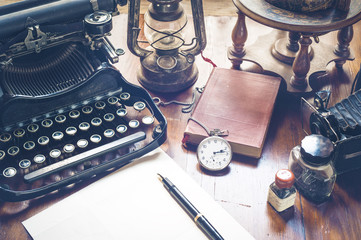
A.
pixel 237 101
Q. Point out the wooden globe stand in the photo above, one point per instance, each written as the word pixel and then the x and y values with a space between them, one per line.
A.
pixel 292 57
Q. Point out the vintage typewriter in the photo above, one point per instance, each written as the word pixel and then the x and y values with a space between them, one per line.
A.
pixel 66 114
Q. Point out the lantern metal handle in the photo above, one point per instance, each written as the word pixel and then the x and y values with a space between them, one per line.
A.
pixel 199 29
pixel 133 30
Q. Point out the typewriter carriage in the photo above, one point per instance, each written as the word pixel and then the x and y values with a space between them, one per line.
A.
pixel 91 32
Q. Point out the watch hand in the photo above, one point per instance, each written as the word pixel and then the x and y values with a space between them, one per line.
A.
pixel 220 151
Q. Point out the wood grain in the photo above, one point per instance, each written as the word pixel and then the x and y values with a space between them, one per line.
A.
pixel 6 2
pixel 242 188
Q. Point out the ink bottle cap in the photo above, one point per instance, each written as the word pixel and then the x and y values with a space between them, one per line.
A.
pixel 316 149
pixel 284 178
pixel 282 193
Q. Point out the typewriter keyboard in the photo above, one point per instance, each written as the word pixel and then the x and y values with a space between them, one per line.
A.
pixel 74 138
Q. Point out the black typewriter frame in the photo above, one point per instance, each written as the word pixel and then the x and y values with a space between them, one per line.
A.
pixel 44 31
pixel 15 196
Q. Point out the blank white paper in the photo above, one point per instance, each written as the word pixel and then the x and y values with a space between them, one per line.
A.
pixel 133 204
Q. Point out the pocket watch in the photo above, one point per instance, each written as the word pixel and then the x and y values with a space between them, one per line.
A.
pixel 214 153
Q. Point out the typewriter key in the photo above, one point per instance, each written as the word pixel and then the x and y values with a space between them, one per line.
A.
pixel 109 133
pixel 47 123
pixel 86 165
pixel 69 148
pixel 82 143
pixel 74 114
pixel 100 105
pixel 40 158
pixel 12 151
pixel 96 138
pixel 33 127
pixel 124 96
pixel 55 153
pixel 84 126
pixel 54 177
pixel 157 130
pixel 121 112
pixel 95 161
pixel 71 131
pixel 29 145
pixel 133 123
pixel 5 137
pixel 19 132
pixel 9 172
pixel 112 100
pixel 69 173
pixel 147 120
pixel 60 118
pixel 25 163
pixel 57 135
pixel 139 106
pixel 96 121
pixel 109 117
pixel 44 140
pixel 87 109
pixel 121 128
pixel 2 154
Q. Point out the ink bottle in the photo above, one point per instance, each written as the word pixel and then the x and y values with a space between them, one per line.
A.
pixel 282 193
pixel 312 165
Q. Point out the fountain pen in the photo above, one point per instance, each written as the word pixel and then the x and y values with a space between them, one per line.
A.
pixel 197 217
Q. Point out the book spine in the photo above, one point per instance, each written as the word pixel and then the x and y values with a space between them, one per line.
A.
pixel 185 139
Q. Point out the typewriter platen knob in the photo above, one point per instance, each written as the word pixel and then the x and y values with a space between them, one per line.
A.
pixel 98 23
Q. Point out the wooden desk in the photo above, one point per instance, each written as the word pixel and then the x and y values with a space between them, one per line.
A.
pixel 242 188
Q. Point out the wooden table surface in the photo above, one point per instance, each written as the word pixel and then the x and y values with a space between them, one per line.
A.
pixel 242 188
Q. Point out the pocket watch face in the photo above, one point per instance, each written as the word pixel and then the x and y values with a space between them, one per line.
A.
pixel 214 153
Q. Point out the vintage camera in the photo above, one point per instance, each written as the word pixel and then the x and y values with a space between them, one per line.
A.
pixel 341 123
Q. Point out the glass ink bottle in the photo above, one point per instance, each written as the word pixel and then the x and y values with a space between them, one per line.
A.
pixel 282 193
pixel 312 165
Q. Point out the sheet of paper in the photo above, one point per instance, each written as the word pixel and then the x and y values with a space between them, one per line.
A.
pixel 133 204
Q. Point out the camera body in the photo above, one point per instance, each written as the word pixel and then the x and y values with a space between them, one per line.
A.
pixel 342 125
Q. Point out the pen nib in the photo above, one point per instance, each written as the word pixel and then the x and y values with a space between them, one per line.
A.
pixel 160 177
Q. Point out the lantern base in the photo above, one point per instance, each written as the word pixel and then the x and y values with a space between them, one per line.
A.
pixel 156 79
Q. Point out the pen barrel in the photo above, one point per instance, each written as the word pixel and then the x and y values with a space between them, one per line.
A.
pixel 184 202
pixel 208 229
pixel 197 217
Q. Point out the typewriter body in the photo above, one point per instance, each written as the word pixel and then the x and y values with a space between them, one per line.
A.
pixel 341 123
pixel 66 114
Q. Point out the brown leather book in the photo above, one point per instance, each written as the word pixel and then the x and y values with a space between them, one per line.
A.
pixel 237 101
